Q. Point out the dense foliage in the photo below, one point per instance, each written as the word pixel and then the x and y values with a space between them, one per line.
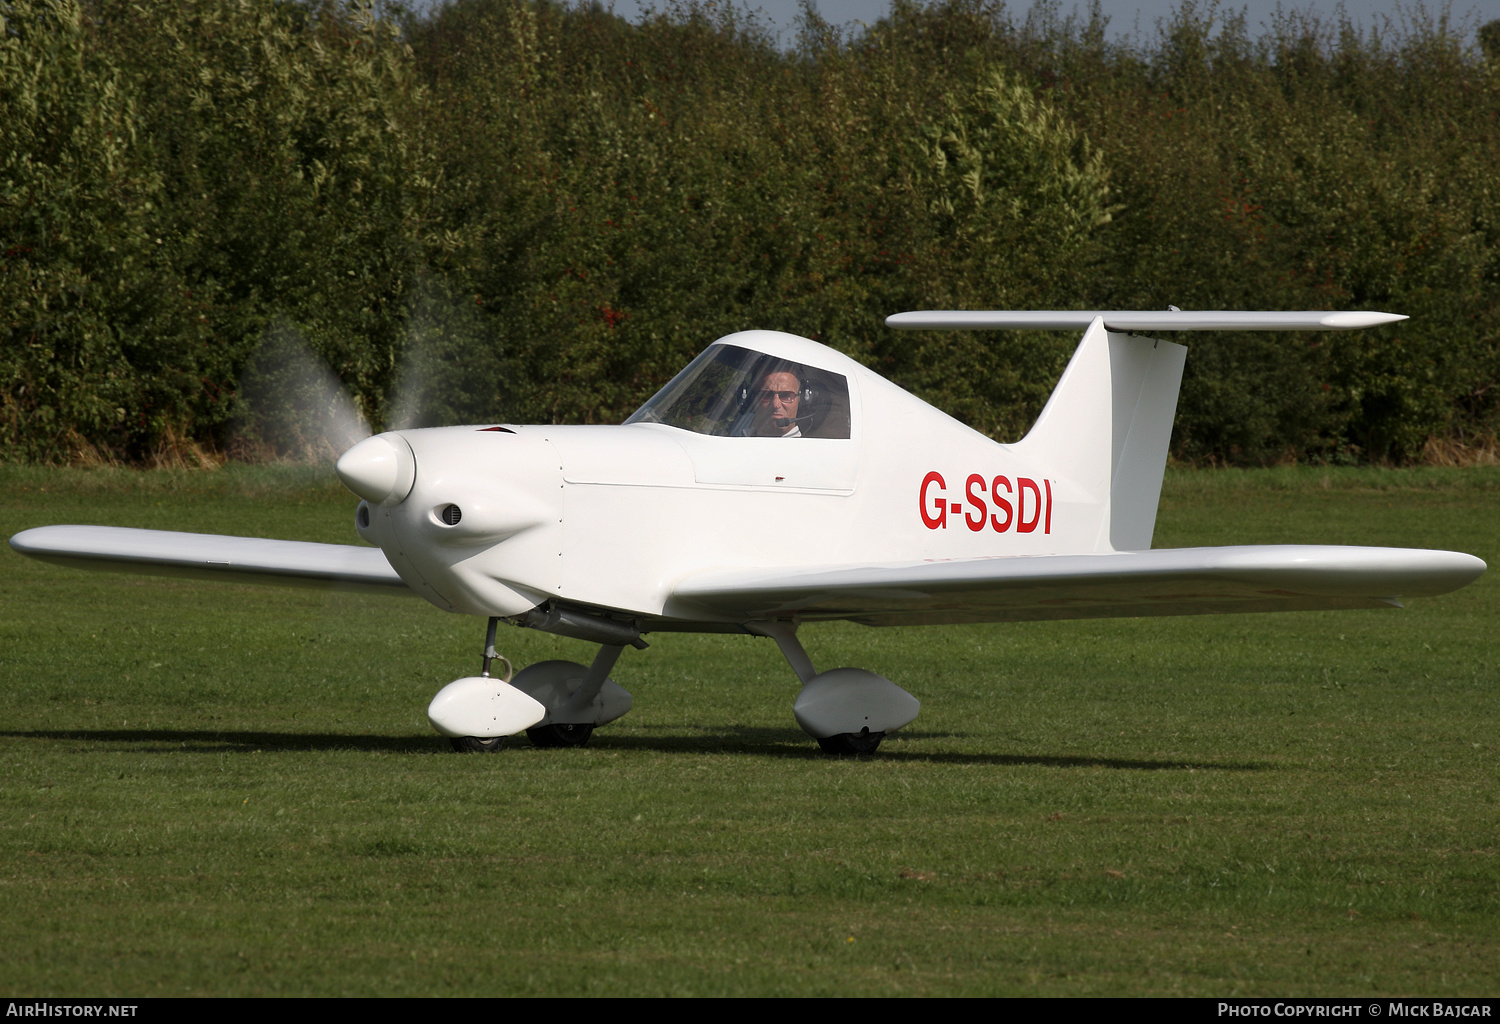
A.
pixel 538 212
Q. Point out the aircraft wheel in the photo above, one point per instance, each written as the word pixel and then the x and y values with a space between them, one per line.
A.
pixel 862 742
pixel 477 744
pixel 560 735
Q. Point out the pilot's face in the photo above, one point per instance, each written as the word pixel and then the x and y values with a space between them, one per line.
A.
pixel 780 395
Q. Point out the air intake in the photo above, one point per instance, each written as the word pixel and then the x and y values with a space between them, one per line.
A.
pixel 451 514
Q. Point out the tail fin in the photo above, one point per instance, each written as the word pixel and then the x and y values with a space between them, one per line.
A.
pixel 1125 388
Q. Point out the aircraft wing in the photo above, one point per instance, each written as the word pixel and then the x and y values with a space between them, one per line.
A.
pixel 212 557
pixel 1166 581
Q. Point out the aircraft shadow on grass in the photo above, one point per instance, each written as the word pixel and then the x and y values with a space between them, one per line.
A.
pixel 205 741
pixel 744 740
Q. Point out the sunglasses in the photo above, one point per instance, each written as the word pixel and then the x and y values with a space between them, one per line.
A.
pixel 787 397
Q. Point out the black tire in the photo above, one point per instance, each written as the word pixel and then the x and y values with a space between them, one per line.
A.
pixel 477 744
pixel 560 735
pixel 847 743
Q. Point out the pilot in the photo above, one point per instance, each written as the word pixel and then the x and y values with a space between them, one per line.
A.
pixel 777 405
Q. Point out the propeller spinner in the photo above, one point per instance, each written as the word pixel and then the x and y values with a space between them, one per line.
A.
pixel 380 469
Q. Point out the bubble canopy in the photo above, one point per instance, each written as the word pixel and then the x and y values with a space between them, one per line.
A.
pixel 730 391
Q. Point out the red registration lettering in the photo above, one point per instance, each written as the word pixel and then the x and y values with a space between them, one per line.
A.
pixel 1023 506
pixel 938 518
pixel 1002 505
pixel 975 522
pixel 1024 525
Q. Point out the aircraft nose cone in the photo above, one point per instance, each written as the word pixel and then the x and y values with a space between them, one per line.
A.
pixel 378 469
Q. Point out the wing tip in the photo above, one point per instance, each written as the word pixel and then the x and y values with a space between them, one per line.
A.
pixel 35 541
pixel 1355 320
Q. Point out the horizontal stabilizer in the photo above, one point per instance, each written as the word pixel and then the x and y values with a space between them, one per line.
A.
pixel 212 557
pixel 1138 321
pixel 1165 581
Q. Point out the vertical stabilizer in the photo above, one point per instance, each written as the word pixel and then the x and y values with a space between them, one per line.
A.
pixel 1107 427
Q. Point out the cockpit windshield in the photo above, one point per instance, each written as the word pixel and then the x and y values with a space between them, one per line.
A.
pixel 730 391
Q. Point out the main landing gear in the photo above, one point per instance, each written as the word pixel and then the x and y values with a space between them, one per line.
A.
pixel 560 703
pixel 556 703
pixel 847 710
pixel 563 734
pixel 847 743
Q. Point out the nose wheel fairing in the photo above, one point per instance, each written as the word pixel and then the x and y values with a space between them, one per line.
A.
pixel 556 703
pixel 482 707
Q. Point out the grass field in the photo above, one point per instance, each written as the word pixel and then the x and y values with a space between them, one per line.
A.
pixel 222 790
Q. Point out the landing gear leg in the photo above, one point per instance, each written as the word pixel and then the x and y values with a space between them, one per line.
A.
pixel 490 657
pixel 485 744
pixel 785 635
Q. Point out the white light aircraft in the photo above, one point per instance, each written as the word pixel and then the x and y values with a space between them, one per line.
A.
pixel 775 482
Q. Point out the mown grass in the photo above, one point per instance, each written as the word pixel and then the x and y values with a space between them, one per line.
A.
pixel 213 789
